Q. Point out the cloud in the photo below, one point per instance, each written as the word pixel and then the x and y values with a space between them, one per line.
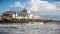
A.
pixel 17 4
pixel 35 5
pixel 57 4
pixel 40 7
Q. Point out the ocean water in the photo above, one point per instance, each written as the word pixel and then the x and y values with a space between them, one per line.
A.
pixel 30 28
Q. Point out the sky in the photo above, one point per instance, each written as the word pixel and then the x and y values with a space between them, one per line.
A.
pixel 42 8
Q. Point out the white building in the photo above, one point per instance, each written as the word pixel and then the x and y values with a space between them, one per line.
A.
pixel 24 15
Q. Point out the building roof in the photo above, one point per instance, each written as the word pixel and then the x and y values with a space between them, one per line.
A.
pixel 21 13
pixel 9 12
pixel 25 10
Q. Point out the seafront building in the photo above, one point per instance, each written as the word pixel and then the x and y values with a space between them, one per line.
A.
pixel 25 15
pixel 22 16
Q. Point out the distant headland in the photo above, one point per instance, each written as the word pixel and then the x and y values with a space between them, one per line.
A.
pixel 19 17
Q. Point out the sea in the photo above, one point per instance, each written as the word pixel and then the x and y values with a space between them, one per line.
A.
pixel 30 28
